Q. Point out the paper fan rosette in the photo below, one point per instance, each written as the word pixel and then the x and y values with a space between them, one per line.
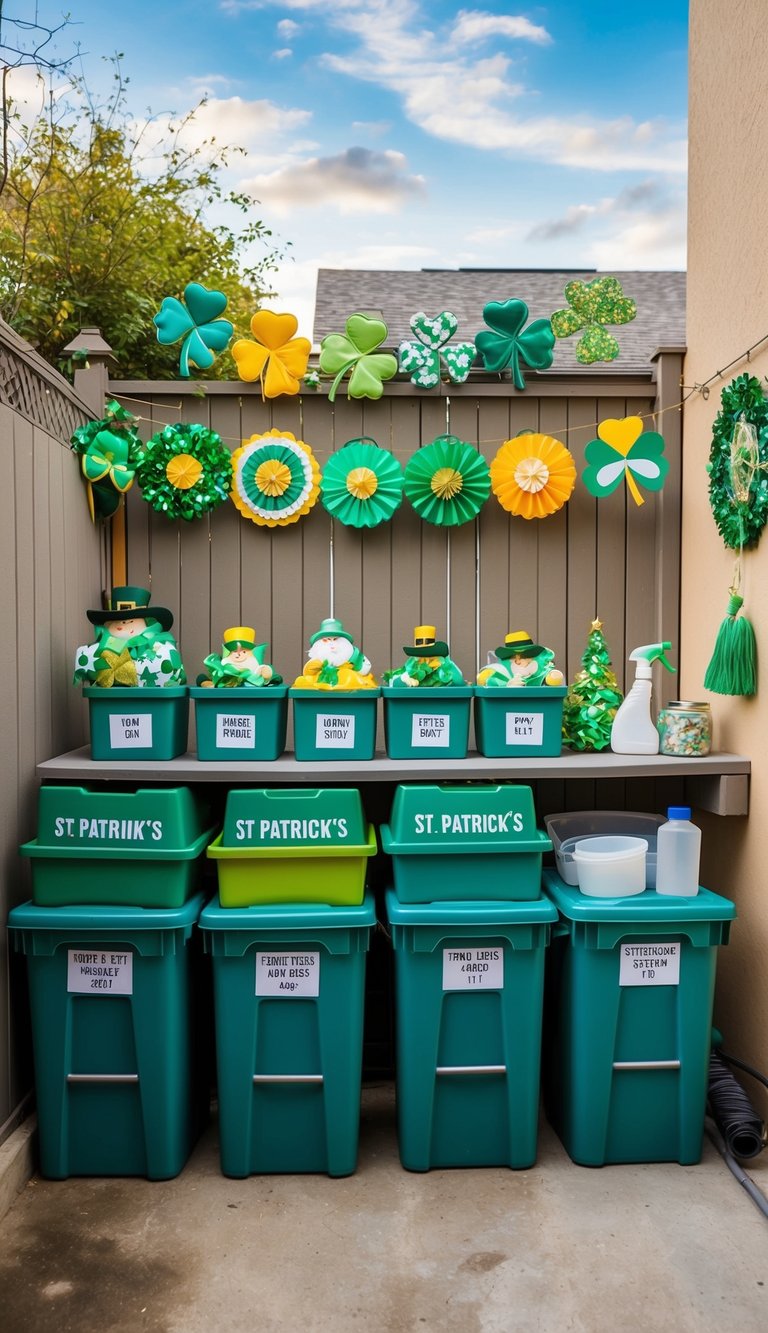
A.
pixel 533 475
pixel 362 484
pixel 275 479
pixel 185 471
pixel 447 481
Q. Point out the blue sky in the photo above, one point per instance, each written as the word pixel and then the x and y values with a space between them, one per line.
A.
pixel 399 134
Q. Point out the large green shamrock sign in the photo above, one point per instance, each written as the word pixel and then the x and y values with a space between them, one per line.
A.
pixel 506 342
pixel 424 359
pixel 592 306
pixel 356 351
pixel 198 323
pixel 622 451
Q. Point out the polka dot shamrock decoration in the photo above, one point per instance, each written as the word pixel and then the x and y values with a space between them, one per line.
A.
pixel 197 323
pixel 428 356
pixel 592 306
pixel 507 342
pixel 185 471
pixel 275 479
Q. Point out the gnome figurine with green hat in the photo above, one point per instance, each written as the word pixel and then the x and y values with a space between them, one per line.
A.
pixel 520 661
pixel 133 647
pixel 428 663
pixel 241 662
pixel 334 662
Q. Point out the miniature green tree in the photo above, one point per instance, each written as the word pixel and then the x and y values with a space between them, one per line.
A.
pixel 590 705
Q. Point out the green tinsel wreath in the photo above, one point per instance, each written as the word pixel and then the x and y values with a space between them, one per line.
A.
pixel 185 471
pixel 739 523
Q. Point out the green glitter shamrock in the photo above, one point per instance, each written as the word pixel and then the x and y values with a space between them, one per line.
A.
pixel 356 352
pixel 505 343
pixel 740 515
pixel 424 358
pixel 197 323
pixel 594 304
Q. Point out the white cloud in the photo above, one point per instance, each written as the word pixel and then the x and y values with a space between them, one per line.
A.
pixel 644 226
pixel 282 54
pixel 260 127
pixel 357 180
pixel 473 25
pixel 652 241
pixel 288 29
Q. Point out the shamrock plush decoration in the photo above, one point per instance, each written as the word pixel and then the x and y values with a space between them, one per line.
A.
pixel 593 305
pixel 506 342
pixel 277 359
pixel 625 451
pixel 197 323
pixel 110 450
pixel 356 351
pixel 424 358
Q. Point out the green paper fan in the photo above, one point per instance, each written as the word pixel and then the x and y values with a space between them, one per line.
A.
pixel 185 471
pixel 362 484
pixel 447 482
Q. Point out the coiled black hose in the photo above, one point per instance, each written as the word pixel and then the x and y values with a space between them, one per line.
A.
pixel 738 1122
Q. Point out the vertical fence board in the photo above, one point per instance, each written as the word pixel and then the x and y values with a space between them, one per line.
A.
pixel 582 543
pixel 553 549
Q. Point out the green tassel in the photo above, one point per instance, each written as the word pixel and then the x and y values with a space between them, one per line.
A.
pixel 733 668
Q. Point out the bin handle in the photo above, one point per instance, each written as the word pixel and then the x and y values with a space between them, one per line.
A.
pixel 646 1064
pixel 288 1078
pixel 471 1069
pixel 102 1078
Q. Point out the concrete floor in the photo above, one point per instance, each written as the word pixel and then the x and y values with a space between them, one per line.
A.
pixel 558 1247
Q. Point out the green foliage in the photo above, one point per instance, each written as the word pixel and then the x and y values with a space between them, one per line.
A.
pixel 740 516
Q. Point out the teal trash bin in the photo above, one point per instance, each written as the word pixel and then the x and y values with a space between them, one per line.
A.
pixel 630 986
pixel 119 1070
pixel 469 986
pixel 289 986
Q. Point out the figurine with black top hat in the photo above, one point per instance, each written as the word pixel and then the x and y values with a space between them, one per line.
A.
pixel 241 662
pixel 133 646
pixel 519 662
pixel 428 663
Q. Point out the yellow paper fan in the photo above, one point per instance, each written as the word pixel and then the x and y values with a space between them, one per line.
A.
pixel 533 475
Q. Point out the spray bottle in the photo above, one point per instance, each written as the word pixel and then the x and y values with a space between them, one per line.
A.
pixel 633 730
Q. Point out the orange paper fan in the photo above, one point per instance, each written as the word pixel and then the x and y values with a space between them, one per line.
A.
pixel 533 475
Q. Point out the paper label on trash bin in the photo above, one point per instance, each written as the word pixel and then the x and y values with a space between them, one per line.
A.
pixel 524 728
pixel 99 972
pixel 130 731
pixel 473 969
pixel 235 731
pixel 649 964
pixel 335 731
pixel 431 729
pixel 287 974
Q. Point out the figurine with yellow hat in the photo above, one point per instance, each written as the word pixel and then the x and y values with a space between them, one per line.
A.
pixel 335 663
pixel 240 663
pixel 428 663
pixel 519 662
pixel 133 646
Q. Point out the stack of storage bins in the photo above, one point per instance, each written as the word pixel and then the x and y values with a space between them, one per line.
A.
pixel 288 936
pixel 469 929
pixel 121 1077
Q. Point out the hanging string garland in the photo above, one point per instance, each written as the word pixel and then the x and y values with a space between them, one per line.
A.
pixel 275 479
pixel 738 482
pixel 362 484
pixel 447 481
pixel 533 475
pixel 185 471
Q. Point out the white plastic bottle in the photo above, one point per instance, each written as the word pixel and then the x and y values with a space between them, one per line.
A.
pixel 634 730
pixel 678 851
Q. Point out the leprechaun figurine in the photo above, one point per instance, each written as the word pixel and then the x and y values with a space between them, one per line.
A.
pixel 241 662
pixel 133 647
pixel 520 661
pixel 335 663
pixel 428 663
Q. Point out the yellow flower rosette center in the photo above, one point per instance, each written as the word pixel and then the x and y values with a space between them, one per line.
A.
pixel 446 483
pixel 183 471
pixel 273 477
pixel 362 483
pixel 531 474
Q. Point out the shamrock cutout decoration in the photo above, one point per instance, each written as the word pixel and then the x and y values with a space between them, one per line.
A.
pixel 198 323
pixel 356 351
pixel 506 342
pixel 120 670
pixel 422 359
pixel 624 451
pixel 276 358
pixel 593 305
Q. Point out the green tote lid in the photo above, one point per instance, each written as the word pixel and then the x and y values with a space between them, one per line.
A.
pixel 294 817
pixel 150 822
pixel 639 909
pixel 491 817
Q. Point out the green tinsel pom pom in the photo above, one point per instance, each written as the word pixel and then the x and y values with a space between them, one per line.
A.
pixel 178 454
pixel 733 668
pixel 738 522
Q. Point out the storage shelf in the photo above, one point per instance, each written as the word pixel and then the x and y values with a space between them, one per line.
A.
pixel 717 782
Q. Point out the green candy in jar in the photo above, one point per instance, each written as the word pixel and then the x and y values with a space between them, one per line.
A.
pixel 685 728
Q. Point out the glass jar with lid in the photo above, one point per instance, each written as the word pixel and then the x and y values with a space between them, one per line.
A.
pixel 685 728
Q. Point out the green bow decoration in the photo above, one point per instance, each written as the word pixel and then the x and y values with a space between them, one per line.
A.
pixel 425 358
pixel 506 342
pixel 197 323
pixel 110 450
pixel 592 306
pixel 356 351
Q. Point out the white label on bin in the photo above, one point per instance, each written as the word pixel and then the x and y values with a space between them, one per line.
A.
pixel 649 964
pixel 99 972
pixel 473 969
pixel 287 974
pixel 335 731
pixel 524 728
pixel 431 729
pixel 235 731
pixel 130 731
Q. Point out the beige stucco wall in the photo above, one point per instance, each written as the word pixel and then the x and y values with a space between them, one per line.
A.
pixel 727 312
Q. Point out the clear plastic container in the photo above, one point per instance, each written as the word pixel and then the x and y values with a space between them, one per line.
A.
pixel 685 728
pixel 568 828
pixel 611 867
pixel 678 851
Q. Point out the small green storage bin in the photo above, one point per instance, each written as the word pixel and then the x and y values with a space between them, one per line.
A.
pixel 464 842
pixel 128 849
pixel 520 723
pixel 469 982
pixel 243 724
pixel 149 723
pixel 630 985
pixel 427 723
pixel 121 1083
pixel 334 725
pixel 289 987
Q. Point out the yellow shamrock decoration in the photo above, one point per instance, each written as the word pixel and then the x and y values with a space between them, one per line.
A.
pixel 120 669
pixel 277 358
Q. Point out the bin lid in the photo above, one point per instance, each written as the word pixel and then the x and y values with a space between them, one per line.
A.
pixel 77 820
pixel 640 908
pixel 287 916
pixel 28 916
pixel 226 697
pixel 481 913
pixel 482 817
pixel 294 817
pixel 145 694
